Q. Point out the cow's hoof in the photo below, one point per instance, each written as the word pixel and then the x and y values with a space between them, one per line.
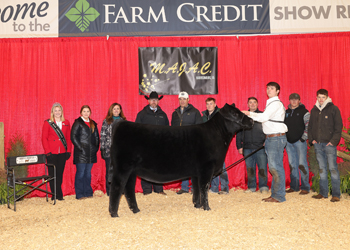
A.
pixel 114 215
pixel 197 205
pixel 206 208
pixel 135 210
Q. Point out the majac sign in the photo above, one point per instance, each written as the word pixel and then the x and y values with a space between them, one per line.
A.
pixel 24 18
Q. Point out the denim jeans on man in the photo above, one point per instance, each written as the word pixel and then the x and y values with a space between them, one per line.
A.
pixel 297 161
pixel 328 154
pixel 83 180
pixel 185 185
pixel 274 147
pixel 224 182
pixel 259 158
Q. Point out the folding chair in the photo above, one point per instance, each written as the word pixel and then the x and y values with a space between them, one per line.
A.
pixel 28 182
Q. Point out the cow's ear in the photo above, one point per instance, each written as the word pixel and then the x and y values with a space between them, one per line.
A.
pixel 233 105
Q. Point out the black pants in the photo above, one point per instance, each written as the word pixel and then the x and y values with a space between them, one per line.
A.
pixel 108 163
pixel 147 187
pixel 59 160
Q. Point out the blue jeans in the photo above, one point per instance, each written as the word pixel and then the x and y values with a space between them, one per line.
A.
pixel 83 180
pixel 297 161
pixel 224 182
pixel 260 159
pixel 185 185
pixel 274 147
pixel 328 154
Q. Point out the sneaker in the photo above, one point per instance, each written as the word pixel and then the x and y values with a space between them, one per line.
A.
pixel 264 190
pixel 181 191
pixel 248 191
pixel 211 191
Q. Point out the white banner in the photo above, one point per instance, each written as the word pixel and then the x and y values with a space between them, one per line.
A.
pixel 301 16
pixel 28 18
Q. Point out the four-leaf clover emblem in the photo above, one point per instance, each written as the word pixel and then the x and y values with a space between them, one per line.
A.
pixel 82 14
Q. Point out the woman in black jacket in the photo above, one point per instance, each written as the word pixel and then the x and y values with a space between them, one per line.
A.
pixel 85 138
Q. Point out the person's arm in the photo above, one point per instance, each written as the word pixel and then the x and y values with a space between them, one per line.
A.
pixel 74 136
pixel 138 118
pixel 306 123
pixel 239 140
pixel 104 135
pixel 310 130
pixel 173 118
pixel 166 120
pixel 267 114
pixel 199 118
pixel 45 136
pixel 97 136
pixel 338 127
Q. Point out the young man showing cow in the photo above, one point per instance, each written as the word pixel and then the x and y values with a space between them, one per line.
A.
pixel 211 110
pixel 248 141
pixel 272 120
pixel 152 114
pixel 185 115
pixel 325 129
pixel 297 121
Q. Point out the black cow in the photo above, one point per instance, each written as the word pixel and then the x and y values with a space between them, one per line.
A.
pixel 163 154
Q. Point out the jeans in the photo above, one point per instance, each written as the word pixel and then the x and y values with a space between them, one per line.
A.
pixel 108 163
pixel 83 180
pixel 328 154
pixel 274 147
pixel 224 182
pixel 185 185
pixel 260 159
pixel 297 161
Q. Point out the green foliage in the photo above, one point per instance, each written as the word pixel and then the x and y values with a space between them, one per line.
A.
pixel 17 147
pixel 313 164
pixel 344 183
pixel 3 192
pixel 346 145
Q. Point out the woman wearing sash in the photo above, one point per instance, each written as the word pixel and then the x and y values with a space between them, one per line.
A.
pixel 114 115
pixel 86 140
pixel 57 145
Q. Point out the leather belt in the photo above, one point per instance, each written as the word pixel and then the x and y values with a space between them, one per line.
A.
pixel 274 135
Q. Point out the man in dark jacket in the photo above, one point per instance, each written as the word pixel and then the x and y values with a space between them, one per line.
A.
pixel 297 121
pixel 325 129
pixel 248 141
pixel 154 115
pixel 211 110
pixel 185 115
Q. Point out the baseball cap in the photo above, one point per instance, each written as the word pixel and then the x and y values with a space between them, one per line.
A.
pixel 294 96
pixel 183 94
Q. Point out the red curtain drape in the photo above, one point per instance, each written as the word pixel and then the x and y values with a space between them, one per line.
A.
pixel 35 73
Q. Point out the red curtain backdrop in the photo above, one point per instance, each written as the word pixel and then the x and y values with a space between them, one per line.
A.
pixel 35 73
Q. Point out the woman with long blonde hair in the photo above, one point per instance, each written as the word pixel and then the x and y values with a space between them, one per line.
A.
pixel 57 145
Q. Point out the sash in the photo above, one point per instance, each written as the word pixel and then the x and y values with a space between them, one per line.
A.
pixel 58 132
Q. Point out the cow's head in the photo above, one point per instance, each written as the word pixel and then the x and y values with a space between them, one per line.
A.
pixel 235 119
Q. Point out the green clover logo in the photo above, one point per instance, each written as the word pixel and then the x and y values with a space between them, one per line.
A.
pixel 82 15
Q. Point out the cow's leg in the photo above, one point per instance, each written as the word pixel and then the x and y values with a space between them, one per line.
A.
pixel 195 191
pixel 204 184
pixel 130 193
pixel 116 191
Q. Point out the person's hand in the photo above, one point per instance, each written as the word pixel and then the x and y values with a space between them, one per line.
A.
pixel 246 112
pixel 240 151
pixel 68 154
pixel 48 156
pixel 314 142
pixel 329 144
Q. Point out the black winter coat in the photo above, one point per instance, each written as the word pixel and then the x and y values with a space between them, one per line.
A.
pixel 253 138
pixel 190 116
pixel 85 142
pixel 326 125
pixel 147 116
